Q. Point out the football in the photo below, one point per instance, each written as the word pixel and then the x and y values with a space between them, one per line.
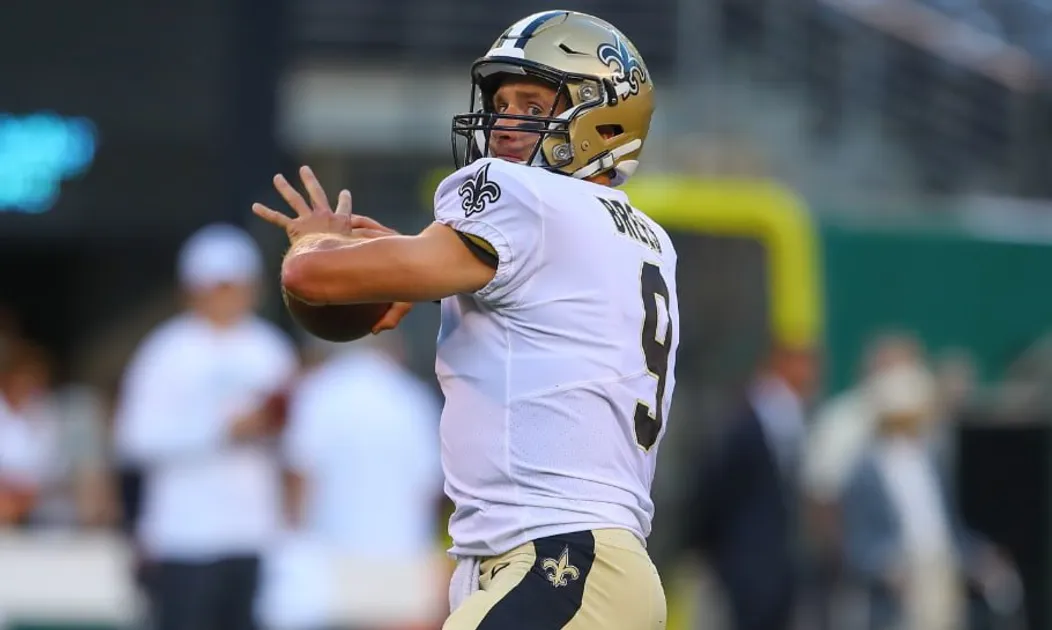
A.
pixel 335 322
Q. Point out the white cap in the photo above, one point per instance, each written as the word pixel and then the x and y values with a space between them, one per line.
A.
pixel 903 389
pixel 217 254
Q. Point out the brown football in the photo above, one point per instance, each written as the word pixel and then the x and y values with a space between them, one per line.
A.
pixel 335 322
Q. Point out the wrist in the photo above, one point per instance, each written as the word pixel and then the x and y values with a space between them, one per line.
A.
pixel 316 241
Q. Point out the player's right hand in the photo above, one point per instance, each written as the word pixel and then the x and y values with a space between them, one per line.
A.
pixel 317 217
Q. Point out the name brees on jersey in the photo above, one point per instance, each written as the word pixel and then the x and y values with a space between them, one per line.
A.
pixel 629 224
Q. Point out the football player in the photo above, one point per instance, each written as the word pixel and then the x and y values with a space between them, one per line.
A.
pixel 559 329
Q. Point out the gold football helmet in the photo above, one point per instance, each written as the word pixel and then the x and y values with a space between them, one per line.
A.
pixel 595 69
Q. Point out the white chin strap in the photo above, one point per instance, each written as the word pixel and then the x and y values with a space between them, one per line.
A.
pixel 622 171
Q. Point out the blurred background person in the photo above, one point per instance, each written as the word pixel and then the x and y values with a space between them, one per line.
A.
pixel 199 412
pixel 363 449
pixel 25 443
pixel 65 426
pixel 837 438
pixel 844 424
pixel 744 518
pixel 67 422
pixel 905 541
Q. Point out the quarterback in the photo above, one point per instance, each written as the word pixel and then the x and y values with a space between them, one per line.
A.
pixel 559 327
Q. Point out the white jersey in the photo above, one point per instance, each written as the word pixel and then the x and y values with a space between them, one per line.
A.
pixel 559 373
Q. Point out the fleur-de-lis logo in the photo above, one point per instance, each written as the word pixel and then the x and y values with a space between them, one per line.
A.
pixel 477 192
pixel 626 67
pixel 560 571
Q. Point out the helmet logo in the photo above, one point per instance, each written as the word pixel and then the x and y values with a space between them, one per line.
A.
pixel 477 192
pixel 627 69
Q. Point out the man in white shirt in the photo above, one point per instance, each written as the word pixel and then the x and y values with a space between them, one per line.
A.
pixel 199 405
pixel 842 429
pixel 844 425
pixel 363 443
pixel 904 539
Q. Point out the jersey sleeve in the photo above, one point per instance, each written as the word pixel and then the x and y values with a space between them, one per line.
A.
pixel 494 205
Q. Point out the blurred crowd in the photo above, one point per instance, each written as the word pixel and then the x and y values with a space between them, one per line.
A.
pixel 266 481
pixel 842 512
pixel 877 479
pixel 261 481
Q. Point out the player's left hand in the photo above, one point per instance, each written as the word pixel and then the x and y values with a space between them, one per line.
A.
pixel 392 317
pixel 317 217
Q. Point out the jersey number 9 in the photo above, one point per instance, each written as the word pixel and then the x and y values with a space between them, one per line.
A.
pixel 648 420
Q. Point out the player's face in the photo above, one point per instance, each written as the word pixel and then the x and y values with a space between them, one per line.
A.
pixel 521 96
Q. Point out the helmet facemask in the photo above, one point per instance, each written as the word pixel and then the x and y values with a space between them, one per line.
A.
pixel 553 149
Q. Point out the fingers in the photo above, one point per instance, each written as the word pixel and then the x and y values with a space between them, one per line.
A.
pixel 314 189
pixel 343 203
pixel 392 317
pixel 291 196
pixel 271 216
